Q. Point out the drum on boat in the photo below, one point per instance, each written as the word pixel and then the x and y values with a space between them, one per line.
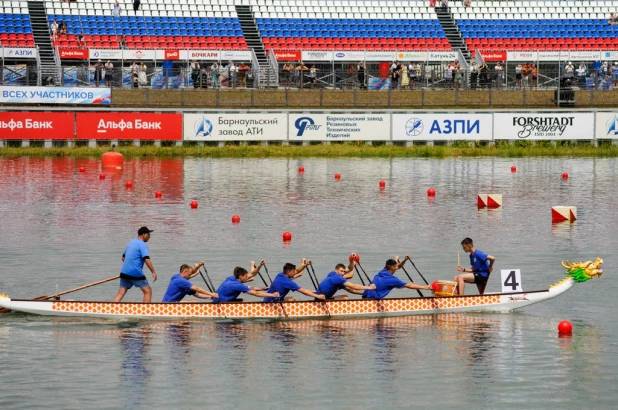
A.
pixel 442 288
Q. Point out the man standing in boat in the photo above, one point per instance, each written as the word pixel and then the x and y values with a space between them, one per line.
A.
pixel 385 280
pixel 133 258
pixel 234 285
pixel 481 267
pixel 284 283
pixel 339 279
pixel 180 286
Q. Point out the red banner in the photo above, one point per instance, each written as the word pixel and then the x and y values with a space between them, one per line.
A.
pixel 493 55
pixel 73 53
pixel 172 54
pixel 36 125
pixel 129 126
pixel 287 55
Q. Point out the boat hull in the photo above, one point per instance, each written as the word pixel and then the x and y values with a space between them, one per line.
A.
pixel 502 302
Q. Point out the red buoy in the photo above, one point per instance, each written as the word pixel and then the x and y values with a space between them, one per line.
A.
pixel 356 258
pixel 513 168
pixel 101 176
pixel 158 194
pixel 431 192
pixel 112 160
pixel 287 236
pixel 337 177
pixel 301 170
pixel 194 204
pixel 565 175
pixel 235 219
pixel 565 327
pixel 128 184
pixel 82 169
pixel 382 183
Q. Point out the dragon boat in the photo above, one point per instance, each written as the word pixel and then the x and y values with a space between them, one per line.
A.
pixel 352 308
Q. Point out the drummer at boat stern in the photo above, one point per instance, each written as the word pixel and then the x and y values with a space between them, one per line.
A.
pixel 180 286
pixel 386 280
pixel 133 258
pixel 284 283
pixel 481 266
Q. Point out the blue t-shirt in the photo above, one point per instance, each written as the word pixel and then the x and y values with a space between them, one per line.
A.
pixel 283 285
pixel 178 288
pixel 230 289
pixel 331 284
pixel 385 282
pixel 479 263
pixel 134 257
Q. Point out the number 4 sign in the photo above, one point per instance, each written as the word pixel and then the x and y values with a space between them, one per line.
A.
pixel 511 280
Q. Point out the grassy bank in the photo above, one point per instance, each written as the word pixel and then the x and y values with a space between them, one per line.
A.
pixel 360 150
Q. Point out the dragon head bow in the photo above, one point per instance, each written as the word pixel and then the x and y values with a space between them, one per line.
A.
pixel 583 271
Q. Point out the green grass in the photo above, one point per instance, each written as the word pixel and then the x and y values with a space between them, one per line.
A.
pixel 349 149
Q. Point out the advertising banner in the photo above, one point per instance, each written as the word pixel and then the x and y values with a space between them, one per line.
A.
pixel 553 55
pixel 287 55
pixel 349 56
pixel 380 56
pixel 317 55
pixel 55 95
pixel 17 52
pixel 543 126
pixel 129 126
pixel 36 125
pixel 235 127
pixel 236 55
pixel 139 54
pixel 171 54
pixel 585 55
pixel 442 56
pixel 493 55
pixel 607 125
pixel 104 54
pixel 609 55
pixel 354 126
pixel 437 127
pixel 412 56
pixel 73 53
pixel 530 56
pixel 212 55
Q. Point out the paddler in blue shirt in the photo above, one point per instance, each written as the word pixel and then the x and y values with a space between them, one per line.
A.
pixel 339 279
pixel 234 285
pixel 481 266
pixel 284 283
pixel 386 280
pixel 180 286
pixel 135 255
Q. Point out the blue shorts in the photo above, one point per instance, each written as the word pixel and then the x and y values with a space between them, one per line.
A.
pixel 127 283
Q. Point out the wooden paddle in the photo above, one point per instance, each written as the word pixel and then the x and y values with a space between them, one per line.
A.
pixel 273 285
pixel 409 277
pixel 318 288
pixel 68 291
pixel 210 286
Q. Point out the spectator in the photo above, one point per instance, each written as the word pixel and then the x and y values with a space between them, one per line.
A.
pixel 361 75
pixel 581 74
pixel 474 75
pixel 299 70
pixel 135 79
pixel 534 75
pixel 143 78
pixel 395 74
pixel 432 3
pixel 518 72
pixel 214 75
pixel 499 74
pixel 468 3
pixel 116 10
pixel 98 73
pixel 569 71
pixel 122 43
pixel 411 75
pixel 54 30
pixel 63 29
pixel 81 40
pixel 613 19
pixel 134 68
pixel 232 74
pixel 448 76
pixel 457 76
pixel 196 68
pixel 286 72
pixel 136 4
pixel 525 73
pixel 483 79
pixel 313 76
pixel 444 4
pixel 614 71
pixel 243 69
pixel 109 69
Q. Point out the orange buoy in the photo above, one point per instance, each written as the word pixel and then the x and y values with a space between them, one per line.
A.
pixel 112 160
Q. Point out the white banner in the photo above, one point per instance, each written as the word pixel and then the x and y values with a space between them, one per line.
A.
pixel 607 125
pixel 380 56
pixel 442 56
pixel 412 56
pixel 349 56
pixel 553 55
pixel 609 55
pixel 212 55
pixel 55 95
pixel 339 127
pixel 12 52
pixel 585 55
pixel 173 55
pixel 522 56
pixel 236 55
pixel 235 127
pixel 543 126
pixel 317 55
pixel 104 54
pixel 442 127
pixel 139 54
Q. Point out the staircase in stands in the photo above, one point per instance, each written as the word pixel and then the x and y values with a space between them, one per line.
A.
pixel 50 64
pixel 254 42
pixel 452 31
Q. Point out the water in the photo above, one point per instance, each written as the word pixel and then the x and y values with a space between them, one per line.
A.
pixel 60 228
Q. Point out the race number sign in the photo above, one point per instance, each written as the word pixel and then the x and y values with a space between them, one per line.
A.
pixel 511 280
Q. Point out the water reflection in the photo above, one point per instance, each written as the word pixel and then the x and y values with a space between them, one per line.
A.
pixel 135 374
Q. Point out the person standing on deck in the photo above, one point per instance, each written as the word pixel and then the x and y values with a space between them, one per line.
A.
pixel 481 266
pixel 339 279
pixel 234 285
pixel 284 283
pixel 180 286
pixel 133 258
pixel 385 280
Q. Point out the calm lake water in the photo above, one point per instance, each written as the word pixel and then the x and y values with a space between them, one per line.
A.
pixel 61 228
